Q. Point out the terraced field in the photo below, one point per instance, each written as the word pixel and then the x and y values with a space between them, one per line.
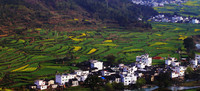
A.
pixel 190 8
pixel 35 55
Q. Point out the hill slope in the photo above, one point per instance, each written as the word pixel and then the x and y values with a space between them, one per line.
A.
pixel 70 14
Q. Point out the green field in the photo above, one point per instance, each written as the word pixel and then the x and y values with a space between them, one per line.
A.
pixel 24 59
pixel 190 8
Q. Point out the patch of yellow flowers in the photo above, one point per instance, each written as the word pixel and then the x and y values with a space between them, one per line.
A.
pixel 18 69
pixel 92 50
pixel 158 34
pixel 30 69
pixel 76 48
pixel 108 41
pixel 196 30
pixel 133 50
pixel 158 43
pixel 182 37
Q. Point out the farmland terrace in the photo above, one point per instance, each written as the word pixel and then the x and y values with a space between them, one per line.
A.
pixel 187 9
pixel 43 53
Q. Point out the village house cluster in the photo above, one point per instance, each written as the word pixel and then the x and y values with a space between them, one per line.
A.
pixel 174 19
pixel 127 74
pixel 157 3
pixel 44 84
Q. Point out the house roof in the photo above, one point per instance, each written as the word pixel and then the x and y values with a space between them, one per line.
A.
pixel 103 78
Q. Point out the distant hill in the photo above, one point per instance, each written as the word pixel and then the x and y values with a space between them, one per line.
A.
pixel 68 15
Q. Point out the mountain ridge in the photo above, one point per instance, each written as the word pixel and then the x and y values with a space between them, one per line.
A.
pixel 69 15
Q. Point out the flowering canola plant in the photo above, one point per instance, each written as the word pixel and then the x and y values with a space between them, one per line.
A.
pixel 18 69
pixel 92 50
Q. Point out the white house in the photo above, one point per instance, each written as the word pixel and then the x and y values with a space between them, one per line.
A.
pixel 74 82
pixel 180 71
pixel 85 72
pixel 62 79
pixel 78 78
pixel 125 69
pixel 107 73
pixel 51 82
pixel 96 64
pixel 169 61
pixel 198 58
pixel 194 63
pixel 141 65
pixel 195 21
pixel 128 79
pixel 174 75
pixel 144 59
pixel 132 69
pixel 78 72
pixel 54 85
pixel 41 84
pixel 180 18
pixel 84 77
pixel 175 63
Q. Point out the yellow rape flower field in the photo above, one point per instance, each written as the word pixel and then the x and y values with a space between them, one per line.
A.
pixel 133 50
pixel 30 69
pixel 76 48
pixel 178 29
pixel 182 37
pixel 158 34
pixel 83 34
pixel 38 29
pixel 21 40
pixel 18 69
pixel 92 50
pixel 110 44
pixel 158 43
pixel 196 30
pixel 71 36
pixel 108 41
pixel 75 39
pixel 76 19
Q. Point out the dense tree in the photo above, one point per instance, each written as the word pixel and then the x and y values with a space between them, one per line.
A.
pixel 109 87
pixel 93 82
pixel 191 54
pixel 163 80
pixel 140 82
pixel 189 70
pixel 189 44
pixel 189 73
pixel 1 75
pixel 111 59
pixel 118 86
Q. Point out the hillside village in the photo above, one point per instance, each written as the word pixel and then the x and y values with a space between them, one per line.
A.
pixel 173 19
pixel 157 3
pixel 126 74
